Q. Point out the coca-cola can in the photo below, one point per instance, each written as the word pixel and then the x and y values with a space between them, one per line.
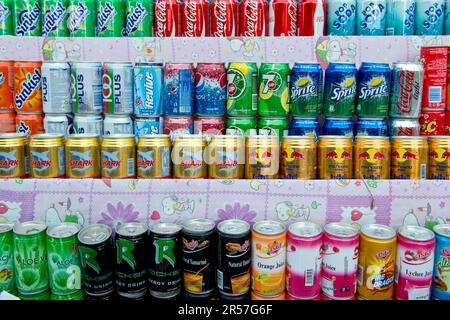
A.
pixel 283 18
pixel 406 90
pixel 311 18
pixel 432 123
pixel 195 18
pixel 404 127
pixel 224 18
pixel 253 18
pixel 167 18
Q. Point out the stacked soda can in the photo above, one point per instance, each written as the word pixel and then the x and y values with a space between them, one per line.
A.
pixel 7 112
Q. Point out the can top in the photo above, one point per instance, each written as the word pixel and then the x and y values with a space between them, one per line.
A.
pixel 439 137
pixel 47 136
pixel 5 227
pixel 341 230
pixel 131 229
pixel 83 135
pixel 166 228
pixel 233 227
pixel 335 137
pixel 154 136
pixel 86 63
pixel 371 118
pixel 299 138
pixel 442 229
pixel 29 228
pixel 378 231
pixel 118 116
pixel 198 226
pixel 82 115
pixel 409 137
pixel 58 64
pixel 409 65
pixel 269 227
pixel 357 137
pixel 416 233
pixel 305 229
pixel 119 136
pixel 12 135
pixel 63 230
pixel 94 234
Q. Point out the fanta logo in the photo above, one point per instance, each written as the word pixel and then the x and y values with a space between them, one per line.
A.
pixel 402 155
pixel 78 16
pixel 434 15
pixel 28 20
pixel 371 155
pixel 53 19
pixel 23 128
pixel 149 89
pixel 105 16
pixel 304 87
pixel 31 84
pixel 375 87
pixel 383 254
pixel 343 15
pixel 4 12
pixel 339 155
pixel 440 155
pixel 344 89
pixel 134 18
pixel 417 256
pixel 445 252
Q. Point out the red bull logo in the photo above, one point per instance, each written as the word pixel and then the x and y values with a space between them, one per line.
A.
pixel 338 155
pixel 371 155
pixel 260 155
pixel 402 155
pixel 290 154
pixel 440 154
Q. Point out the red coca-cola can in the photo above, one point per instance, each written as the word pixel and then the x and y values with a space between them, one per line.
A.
pixel 209 126
pixel 432 123
pixel 311 17
pixel 283 18
pixel 253 18
pixel 195 18
pixel 447 123
pixel 167 18
pixel 224 18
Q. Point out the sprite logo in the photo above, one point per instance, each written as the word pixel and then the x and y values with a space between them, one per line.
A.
pixel 375 87
pixel 28 20
pixel 4 12
pixel 149 85
pixel 30 85
pixel 135 18
pixel 344 89
pixel 87 257
pixel 304 87
pixel 78 16
pixel 105 16
pixel 271 82
pixel 53 18
pixel 164 251
pixel 125 249
pixel 236 84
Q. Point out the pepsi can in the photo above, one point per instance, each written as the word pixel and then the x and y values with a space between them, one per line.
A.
pixel 148 89
pixel 306 90
pixel 210 89
pixel 400 17
pixel 117 124
pixel 147 126
pixel 341 17
pixel 304 126
pixel 338 127
pixel 179 89
pixel 429 17
pixel 371 17
pixel 59 123
pixel 371 127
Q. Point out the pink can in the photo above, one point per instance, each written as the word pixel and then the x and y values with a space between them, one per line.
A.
pixel 304 259
pixel 340 260
pixel 325 297
pixel 414 263
pixel 289 296
pixel 209 126
pixel 176 125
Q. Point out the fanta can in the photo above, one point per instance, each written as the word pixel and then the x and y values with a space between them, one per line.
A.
pixel 400 17
pixel 430 17
pixel 6 21
pixel 341 17
pixel 27 87
pixel 371 17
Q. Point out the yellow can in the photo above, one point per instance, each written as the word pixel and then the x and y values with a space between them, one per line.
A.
pixel 47 156
pixel 262 157
pixel 255 296
pixel 372 157
pixel 226 157
pixel 439 157
pixel 335 157
pixel 188 157
pixel 153 156
pixel 82 156
pixel 118 156
pixel 13 155
pixel 298 157
pixel 376 263
pixel 409 157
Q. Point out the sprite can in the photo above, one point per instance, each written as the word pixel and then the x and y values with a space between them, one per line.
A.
pixel 6 258
pixel 139 19
pixel 54 18
pixel 77 295
pixel 110 18
pixel 273 126
pixel 82 19
pixel 45 295
pixel 306 89
pixel 30 257
pixel 242 89
pixel 400 17
pixel 27 18
pixel 340 90
pixel 243 126
pixel 63 258
pixel 274 90
pixel 6 18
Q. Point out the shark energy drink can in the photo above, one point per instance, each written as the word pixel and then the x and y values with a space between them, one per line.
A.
pixel 187 157
pixel 153 156
pixel 226 157
pixel 47 156
pixel 82 156
pixel 119 156
pixel 13 155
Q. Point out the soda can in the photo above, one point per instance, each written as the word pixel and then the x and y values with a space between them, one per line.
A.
pixel 224 18
pixel 400 17
pixel 335 157
pixel 414 263
pixel 56 87
pixel 406 94
pixel 118 156
pixel 77 295
pixel 226 157
pixel 432 123
pixel 86 123
pixel 54 18
pixel 340 90
pixel 311 17
pixel 82 18
pixel 30 257
pixel 298 158
pixel 242 126
pixel 8 283
pixel 187 157
pixel 338 127
pixel 256 296
pixel 304 259
pixel 429 18
pixel 27 87
pixel 153 156
pixel 341 17
pixel 30 123
pixel 175 125
pixel 6 85
pixel 439 158
pixel 209 126
pixel 372 157
pixel 447 122
pixel 375 127
pixel 304 126
pixel 409 157
pixel 262 157
pixel 242 89
pixel 179 89
pixel 97 259
pixel 268 258
pixel 118 88
pixel 234 257
pixel 283 18
pixel 147 125
pixel 447 18
pixel 8 122
pixel 306 90
pixel 210 89
pixel 110 18
pixel 83 156
pixel 199 256
pixel 434 61
pixel 195 17
pixel 47 156
pixel 139 18
pixel 43 296
pixel 253 18
pixel 339 261
pixel 14 158
pixel 371 17
pixel 6 25
pixel 117 124
pixel 273 126
pixel 403 127
pixel 377 246
pixel 27 18
pixel 274 89
pixel 441 270
pixel 148 89
pixel 167 18
pixel 87 93
pixel 59 123
pixel 165 277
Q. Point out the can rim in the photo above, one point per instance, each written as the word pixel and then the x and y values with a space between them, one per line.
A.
pixel 119 136
pixel 120 228
pixel 273 118
pixel 299 137
pixel 372 137
pixel 11 135
pixel 261 136
pixel 39 226
pixel 335 137
pixel 352 231
pixel 118 63
pixel 147 136
pixel 107 232
pixel 409 137
pixel 6 227
pixel 306 117
pixel 54 114
pixel 244 224
pixel 438 137
pixel 47 135
pixel 189 225
pixel 440 228
pixel 225 136
pixel 313 229
pixel 128 116
pixel 300 62
pixel 338 118
pixel 85 115
pixel 71 229
pixel 83 135
pixel 372 118
pixel 370 230
pixel 173 228
pixel 257 227
pixel 415 232
pixel 189 136
pixel 97 63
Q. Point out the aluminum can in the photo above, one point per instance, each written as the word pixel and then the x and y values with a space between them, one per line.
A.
pixel 338 127
pixel 27 18
pixel 118 88
pixel 432 123
pixel 188 157
pixel 435 62
pixel 447 122
pixel 148 89
pixel 210 89
pixel 83 156
pixel 110 18
pixel 256 296
pixel 6 85
pixel 409 158
pixel 253 18
pixel 242 89
pixel 298 158
pixel 306 90
pixel 441 270
pixel 311 17
pixel 341 17
pixel 340 90
pixel 283 18
pixel 30 123
pixel 56 87
pixel 6 26
pixel 88 123
pixel 179 89
pixel 47 156
pixel 117 124
pixel 139 18
pixel 273 126
pixel 372 157
pixel 429 18
pixel 439 158
pixel 87 87
pixel 147 125
pixel 119 156
pixel 371 17
pixel 8 283
pixel 446 19
pixel 226 157
pixel 176 125
pixel 224 18
pixel 243 126
pixel 209 126
pixel 82 18
pixel 167 18
pixel 27 87
pixel 78 295
pixel 262 157
pixel 274 89
pixel 335 157
pixel 59 123
pixel 54 18
pixel 367 126
pixel 303 126
pixel 195 18
pixel 403 127
pixel 153 156
pixel 400 17
pixel 8 122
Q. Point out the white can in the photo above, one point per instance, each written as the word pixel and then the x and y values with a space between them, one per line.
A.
pixel 118 88
pixel 90 124
pixel 87 87
pixel 117 124
pixel 59 123
pixel 56 86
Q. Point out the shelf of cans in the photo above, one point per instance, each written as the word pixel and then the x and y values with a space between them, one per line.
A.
pixel 222 18
pixel 199 260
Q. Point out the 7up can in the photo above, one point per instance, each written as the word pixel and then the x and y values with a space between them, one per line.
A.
pixel 27 18
pixel 306 89
pixel 274 90
pixel 242 89
pixel 6 258
pixel 82 18
pixel 243 126
pixel 139 18
pixel 118 88
pixel 340 90
pixel 6 18
pixel 110 18
pixel 54 18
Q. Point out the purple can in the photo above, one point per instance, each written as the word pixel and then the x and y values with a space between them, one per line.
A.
pixel 210 89
pixel 371 127
pixel 304 126
pixel 404 127
pixel 179 89
pixel 59 123
pixel 338 127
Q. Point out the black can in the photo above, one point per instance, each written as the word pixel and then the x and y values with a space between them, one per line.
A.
pixel 165 261
pixel 199 256
pixel 97 259
pixel 131 259
pixel 106 297
pixel 243 297
pixel 212 295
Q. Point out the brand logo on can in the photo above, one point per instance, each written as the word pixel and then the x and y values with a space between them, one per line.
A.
pixel 371 14
pixel 2 78
pixel 80 161
pixel 271 82
pixel 164 251
pixel 236 84
pixel 125 252
pixel 161 18
pixel 145 160
pixel 220 12
pixel 4 12
pixel 44 89
pixel 383 254
pixel 116 87
pixel 53 18
pixel 292 12
pixel 23 128
pixel 251 11
pixel 261 155
pixel 135 18
pixel 371 155
pixel 420 256
pixel 272 248
pixel 149 86
pixel 40 161
pixel 406 86
pixel 402 155
pixel 112 162
pixel 440 155
pixel 338 155
pixel 8 161
pixel 343 14
pixel 344 89
pixel 445 252
pixel 433 15
pixel 195 244
pixel 192 161
pixel 105 17
pixel 234 249
pixel 376 86
pixel 193 14
pixel 78 16
pixel 410 13
pixel 303 87
pixel 28 20
pixel 28 87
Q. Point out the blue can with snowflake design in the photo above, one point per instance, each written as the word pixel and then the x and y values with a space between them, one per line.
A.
pixel 338 127
pixel 371 127
pixel 304 126
pixel 430 17
pixel 371 17
pixel 54 18
pixel 148 89
pixel 179 89
pixel 210 89
pixel 341 17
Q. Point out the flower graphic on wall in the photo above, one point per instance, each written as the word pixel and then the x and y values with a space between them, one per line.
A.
pixel 236 211
pixel 118 214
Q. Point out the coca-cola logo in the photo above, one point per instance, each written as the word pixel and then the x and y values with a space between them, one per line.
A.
pixel 161 18
pixel 251 15
pixel 406 85
pixel 192 17
pixel 220 14
pixel 292 11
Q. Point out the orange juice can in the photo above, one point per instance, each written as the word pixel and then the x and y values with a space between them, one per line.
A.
pixel 268 258
pixel 409 157
pixel 439 157
pixel 298 157
pixel 255 296
pixel 27 87
pixel 30 123
pixel 7 122
pixel 335 157
pixel 6 86
pixel 372 157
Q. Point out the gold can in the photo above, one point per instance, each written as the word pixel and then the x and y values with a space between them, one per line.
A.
pixel 409 157
pixel 262 157
pixel 372 157
pixel 335 157
pixel 255 296
pixel 118 157
pixel 153 156
pixel 439 157
pixel 83 156
pixel 188 157
pixel 298 157
pixel 13 155
pixel 47 156
pixel 226 157
pixel 376 262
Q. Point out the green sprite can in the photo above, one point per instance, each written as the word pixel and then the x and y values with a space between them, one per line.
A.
pixel 242 89
pixel 82 19
pixel 30 257
pixel 244 126
pixel 45 295
pixel 274 90
pixel 7 281
pixel 54 18
pixel 6 18
pixel 27 18
pixel 110 18
pixel 273 126
pixel 63 258
pixel 77 295
pixel 139 18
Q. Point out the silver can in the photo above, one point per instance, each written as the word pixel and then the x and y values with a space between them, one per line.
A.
pixel 118 88
pixel 403 127
pixel 87 87
pixel 91 124
pixel 147 125
pixel 56 97
pixel 59 123
pixel 117 124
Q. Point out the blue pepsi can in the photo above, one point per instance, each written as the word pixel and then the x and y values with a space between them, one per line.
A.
pixel 441 272
pixel 179 89
pixel 430 17
pixel 338 127
pixel 376 127
pixel 400 17
pixel 306 90
pixel 341 17
pixel 147 125
pixel 148 89
pixel 371 17
pixel 304 126
pixel 447 18
pixel 210 89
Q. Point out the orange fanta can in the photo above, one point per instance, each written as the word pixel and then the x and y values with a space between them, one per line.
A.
pixel 6 86
pixel 27 87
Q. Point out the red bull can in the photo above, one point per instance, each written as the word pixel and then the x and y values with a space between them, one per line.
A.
pixel 262 157
pixel 372 157
pixel 439 158
pixel 298 157
pixel 409 157
pixel 335 157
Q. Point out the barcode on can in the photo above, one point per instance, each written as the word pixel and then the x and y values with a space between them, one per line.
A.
pixel 435 94
pixel 130 167
pixel 360 274
pixel 309 277
pixel 423 171
pixel 220 279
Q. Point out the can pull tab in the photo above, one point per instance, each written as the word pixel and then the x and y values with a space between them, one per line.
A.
pixel 371 197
